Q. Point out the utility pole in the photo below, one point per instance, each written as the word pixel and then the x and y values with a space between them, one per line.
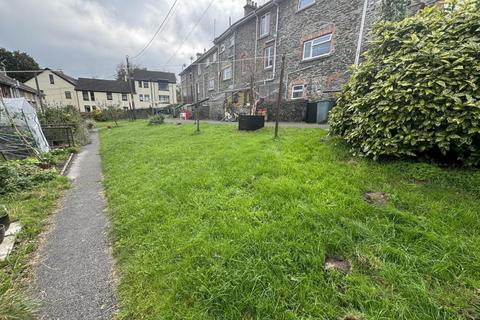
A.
pixel 279 99
pixel 39 93
pixel 129 79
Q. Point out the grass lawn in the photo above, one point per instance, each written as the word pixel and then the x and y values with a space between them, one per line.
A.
pixel 32 208
pixel 233 225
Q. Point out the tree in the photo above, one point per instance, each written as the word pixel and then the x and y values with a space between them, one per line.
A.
pixel 18 61
pixel 121 71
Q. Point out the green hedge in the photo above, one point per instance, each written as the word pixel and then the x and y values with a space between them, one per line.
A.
pixel 417 93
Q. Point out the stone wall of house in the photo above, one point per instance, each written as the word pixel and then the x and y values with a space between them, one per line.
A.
pixel 244 53
pixel 322 77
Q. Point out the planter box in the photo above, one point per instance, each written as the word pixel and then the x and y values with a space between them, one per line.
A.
pixel 251 123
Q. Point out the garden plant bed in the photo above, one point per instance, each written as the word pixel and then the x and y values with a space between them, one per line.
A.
pixel 230 225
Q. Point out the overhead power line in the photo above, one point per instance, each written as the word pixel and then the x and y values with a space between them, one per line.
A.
pixel 157 32
pixel 190 33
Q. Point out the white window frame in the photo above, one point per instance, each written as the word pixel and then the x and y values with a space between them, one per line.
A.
pixel 222 48
pixel 224 73
pixel 199 69
pixel 315 42
pixel 211 84
pixel 164 99
pixel 268 58
pixel 296 89
pixel 231 41
pixel 302 4
pixel 146 97
pixel 68 95
pixel 264 28
pixel 140 97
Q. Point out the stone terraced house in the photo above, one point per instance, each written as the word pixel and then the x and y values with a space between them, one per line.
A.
pixel 320 39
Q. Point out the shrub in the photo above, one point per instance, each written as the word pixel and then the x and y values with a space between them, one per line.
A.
pixel 156 119
pixel 68 114
pixel 418 91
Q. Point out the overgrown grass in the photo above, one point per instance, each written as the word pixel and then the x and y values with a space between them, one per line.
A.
pixel 233 225
pixel 32 209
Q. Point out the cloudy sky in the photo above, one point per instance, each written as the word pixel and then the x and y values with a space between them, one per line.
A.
pixel 88 38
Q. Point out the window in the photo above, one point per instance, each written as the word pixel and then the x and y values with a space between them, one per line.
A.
pixel 211 84
pixel 109 96
pixel 214 58
pixel 140 84
pixel 199 70
pixel 145 84
pixel 85 96
pixel 265 25
pixel 68 95
pixel 297 92
pixel 318 47
pixel 227 73
pixel 146 98
pixel 163 85
pixel 164 99
pixel 140 97
pixel 268 58
pixel 302 4
pixel 231 41
pixel 52 80
pixel 87 109
pixel 222 48
pixel 92 95
pixel 124 97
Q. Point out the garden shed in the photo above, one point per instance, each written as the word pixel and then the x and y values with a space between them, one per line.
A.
pixel 20 131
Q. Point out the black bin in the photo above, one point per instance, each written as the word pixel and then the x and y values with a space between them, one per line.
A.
pixel 250 123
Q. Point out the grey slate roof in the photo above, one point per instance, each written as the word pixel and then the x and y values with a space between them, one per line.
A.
pixel 6 80
pixel 147 75
pixel 99 85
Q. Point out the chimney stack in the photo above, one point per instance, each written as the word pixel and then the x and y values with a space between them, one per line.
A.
pixel 249 7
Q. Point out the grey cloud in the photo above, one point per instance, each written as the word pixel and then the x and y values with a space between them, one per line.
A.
pixel 90 37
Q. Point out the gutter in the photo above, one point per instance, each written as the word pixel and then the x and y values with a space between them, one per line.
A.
pixel 275 2
pixel 360 36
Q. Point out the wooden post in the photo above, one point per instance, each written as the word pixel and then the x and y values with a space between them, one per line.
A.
pixel 197 116
pixel 39 93
pixel 279 99
pixel 252 103
pixel 129 78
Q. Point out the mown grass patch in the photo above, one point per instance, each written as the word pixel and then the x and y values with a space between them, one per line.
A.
pixel 233 225
pixel 31 208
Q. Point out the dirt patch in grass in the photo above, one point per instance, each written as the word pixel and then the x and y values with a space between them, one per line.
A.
pixel 339 264
pixel 378 198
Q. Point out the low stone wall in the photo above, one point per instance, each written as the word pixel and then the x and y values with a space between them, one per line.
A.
pixel 290 111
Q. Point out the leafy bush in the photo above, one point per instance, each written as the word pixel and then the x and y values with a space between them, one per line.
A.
pixel 70 115
pixel 16 176
pixel 156 119
pixel 418 91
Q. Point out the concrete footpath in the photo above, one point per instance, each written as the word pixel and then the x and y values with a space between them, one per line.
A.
pixel 74 272
pixel 302 125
